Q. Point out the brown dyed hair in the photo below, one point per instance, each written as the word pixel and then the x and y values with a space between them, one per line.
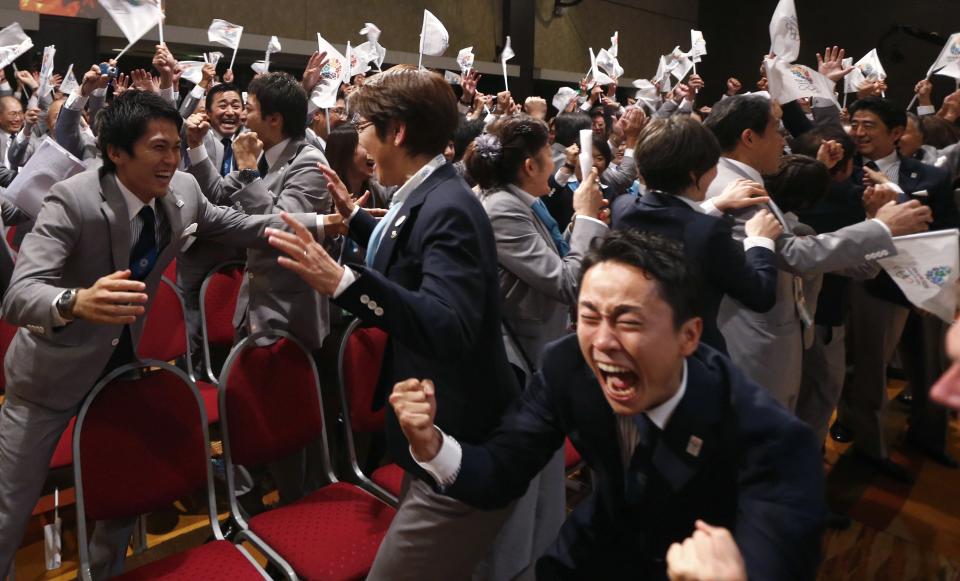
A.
pixel 419 99
pixel 670 149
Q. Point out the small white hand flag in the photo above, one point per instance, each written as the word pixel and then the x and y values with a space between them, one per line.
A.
pixel 785 31
pixel 13 43
pixel 434 38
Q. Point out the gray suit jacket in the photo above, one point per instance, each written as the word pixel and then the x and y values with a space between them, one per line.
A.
pixel 82 234
pixel 69 135
pixel 537 285
pixel 769 346
pixel 273 297
pixel 20 151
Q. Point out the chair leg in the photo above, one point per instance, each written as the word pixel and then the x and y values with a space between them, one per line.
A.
pixel 139 538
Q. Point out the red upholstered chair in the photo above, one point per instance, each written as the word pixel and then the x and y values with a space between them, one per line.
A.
pixel 171 271
pixel 165 338
pixel 218 302
pixel 139 445
pixel 11 238
pixel 271 407
pixel 7 331
pixel 358 365
pixel 571 458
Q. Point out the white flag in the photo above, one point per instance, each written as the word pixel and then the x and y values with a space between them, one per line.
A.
pixel 854 79
pixel 360 58
pixel 372 46
pixel 664 69
pixel 370 52
pixel 698 45
pixel 49 165
pixel 261 67
pixel 682 63
pixel 324 95
pixel 46 71
pixel 586 152
pixel 465 59
pixel 433 36
pixel 225 33
pixel 609 63
pixel 785 31
pixel 133 17
pixel 371 30
pixel 191 71
pixel 506 55
pixel 949 54
pixel 788 82
pixel 13 43
pixel 214 57
pixel 563 97
pixel 596 75
pixel 870 66
pixel 69 82
pixel 349 59
pixel 925 269
pixel 647 93
pixel 951 70
pixel 614 49
pixel 274 45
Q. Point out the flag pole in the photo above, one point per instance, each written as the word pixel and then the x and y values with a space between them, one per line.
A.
pixel 234 57
pixel 124 51
pixel 506 87
pixel 423 29
pixel 160 24
pixel 326 114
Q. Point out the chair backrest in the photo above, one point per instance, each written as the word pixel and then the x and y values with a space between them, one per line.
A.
pixel 170 272
pixel 165 330
pixel 361 356
pixel 12 237
pixel 270 403
pixel 7 331
pixel 139 445
pixel 218 302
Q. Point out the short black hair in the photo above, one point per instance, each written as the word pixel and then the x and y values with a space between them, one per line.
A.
pixel 567 126
pixel 730 117
pixel 466 132
pixel 661 259
pixel 126 119
pixel 601 144
pixel 221 88
pixel 808 143
pixel 280 93
pixel 889 112
pixel 800 183
pixel 671 149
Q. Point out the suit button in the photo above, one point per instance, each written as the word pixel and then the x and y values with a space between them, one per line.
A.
pixel 364 299
pixel 115 342
pixel 378 311
pixel 372 305
pixel 250 274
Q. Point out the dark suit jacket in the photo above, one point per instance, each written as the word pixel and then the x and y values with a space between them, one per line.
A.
pixel 916 177
pixel 434 288
pixel 758 472
pixel 708 243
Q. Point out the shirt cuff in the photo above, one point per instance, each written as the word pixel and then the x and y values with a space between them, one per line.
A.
pixel 754 241
pixel 349 277
pixel 592 219
pixel 445 466
pixel 885 227
pixel 926 110
pixel 562 176
pixel 710 209
pixel 168 95
pixel 58 321
pixel 197 154
pixel 198 92
pixel 76 101
pixel 356 208
pixel 896 187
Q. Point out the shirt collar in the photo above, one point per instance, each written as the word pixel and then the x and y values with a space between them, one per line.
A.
pixel 661 414
pixel 886 162
pixel 417 178
pixel 527 199
pixel 134 204
pixel 750 171
pixel 273 154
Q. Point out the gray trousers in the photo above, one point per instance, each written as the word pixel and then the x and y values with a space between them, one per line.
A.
pixel 531 529
pixel 28 437
pixel 824 367
pixel 434 536
pixel 876 326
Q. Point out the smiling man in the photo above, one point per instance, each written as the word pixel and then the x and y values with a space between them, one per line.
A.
pixel 83 282
pixel 672 430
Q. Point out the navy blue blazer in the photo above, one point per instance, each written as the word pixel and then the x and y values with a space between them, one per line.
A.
pixel 434 289
pixel 758 472
pixel 916 177
pixel 708 243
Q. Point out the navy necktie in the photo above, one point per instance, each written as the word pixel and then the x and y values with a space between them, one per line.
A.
pixel 543 214
pixel 143 255
pixel 872 165
pixel 227 165
pixel 641 463
pixel 262 166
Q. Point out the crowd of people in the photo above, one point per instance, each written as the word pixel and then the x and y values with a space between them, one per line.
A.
pixel 682 312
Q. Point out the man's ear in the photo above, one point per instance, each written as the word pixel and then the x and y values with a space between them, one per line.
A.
pixel 897 132
pixel 276 119
pixel 116 154
pixel 690 332
pixel 400 135
pixel 746 137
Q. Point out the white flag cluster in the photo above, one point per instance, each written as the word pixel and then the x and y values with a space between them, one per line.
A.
pixel 925 269
pixel 134 18
pixel 785 32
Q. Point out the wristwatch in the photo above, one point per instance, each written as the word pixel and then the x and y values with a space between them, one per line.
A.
pixel 248 175
pixel 66 302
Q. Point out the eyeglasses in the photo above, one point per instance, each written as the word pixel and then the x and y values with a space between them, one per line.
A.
pixel 360 125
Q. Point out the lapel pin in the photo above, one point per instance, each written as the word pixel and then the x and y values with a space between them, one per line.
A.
pixel 393 234
pixel 913 175
pixel 400 220
pixel 694 446
pixel 179 203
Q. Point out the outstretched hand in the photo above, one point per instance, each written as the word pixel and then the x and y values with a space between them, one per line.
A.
pixel 307 257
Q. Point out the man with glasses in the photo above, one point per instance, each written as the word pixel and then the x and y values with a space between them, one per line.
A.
pixel 11 122
pixel 319 127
